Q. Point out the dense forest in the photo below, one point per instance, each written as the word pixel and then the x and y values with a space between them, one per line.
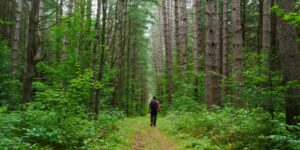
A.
pixel 78 74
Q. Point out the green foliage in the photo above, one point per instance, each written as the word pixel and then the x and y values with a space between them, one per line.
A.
pixel 4 22
pixel 228 128
pixel 10 88
pixel 36 129
pixel 292 18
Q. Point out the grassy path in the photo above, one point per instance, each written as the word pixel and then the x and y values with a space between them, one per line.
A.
pixel 144 137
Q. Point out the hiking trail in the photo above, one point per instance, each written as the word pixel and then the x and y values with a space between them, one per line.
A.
pixel 150 138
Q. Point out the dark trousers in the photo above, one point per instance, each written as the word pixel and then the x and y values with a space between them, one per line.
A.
pixel 153 118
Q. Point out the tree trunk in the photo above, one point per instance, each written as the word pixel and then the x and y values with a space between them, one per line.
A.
pixel 218 60
pixel 31 51
pixel 168 48
pixel 197 45
pixel 266 43
pixel 290 62
pixel 243 18
pixel 185 38
pixel 87 40
pixel 266 37
pixel 59 12
pixel 102 59
pixel 225 47
pixel 275 62
pixel 66 41
pixel 16 39
pixel 70 8
pixel 41 26
pixel 177 39
pixel 128 67
pixel 92 101
pixel 211 68
pixel 237 41
pixel 80 53
pixel 259 29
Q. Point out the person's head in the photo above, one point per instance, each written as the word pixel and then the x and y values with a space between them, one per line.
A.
pixel 154 97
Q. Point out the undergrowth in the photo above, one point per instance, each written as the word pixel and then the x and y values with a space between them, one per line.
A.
pixel 229 128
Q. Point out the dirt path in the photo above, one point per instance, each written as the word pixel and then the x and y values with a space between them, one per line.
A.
pixel 150 138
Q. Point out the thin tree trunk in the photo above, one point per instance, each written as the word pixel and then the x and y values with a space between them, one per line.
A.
pixel 275 62
pixel 16 39
pixel 123 49
pixel 92 101
pixel 266 37
pixel 177 39
pixel 243 18
pixel 41 26
pixel 185 38
pixel 66 41
pixel 225 47
pixel 218 51
pixel 266 43
pixel 59 11
pixel 70 8
pixel 168 49
pixel 81 53
pixel 128 66
pixel 87 40
pixel 237 41
pixel 197 45
pixel 259 29
pixel 290 62
pixel 102 59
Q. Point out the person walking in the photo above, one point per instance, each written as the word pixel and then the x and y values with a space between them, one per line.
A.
pixel 154 107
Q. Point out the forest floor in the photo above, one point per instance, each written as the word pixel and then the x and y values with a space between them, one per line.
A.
pixel 144 137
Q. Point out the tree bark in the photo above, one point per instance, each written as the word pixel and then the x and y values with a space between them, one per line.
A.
pixel 177 39
pixel 243 18
pixel 211 68
pixel 185 38
pixel 92 101
pixel 197 45
pixel 237 41
pixel 31 51
pixel 59 12
pixel 66 41
pixel 218 60
pixel 266 37
pixel 16 39
pixel 168 49
pixel 290 62
pixel 259 30
pixel 70 8
pixel 102 58
pixel 266 43
pixel 225 47
pixel 80 51
pixel 275 62
pixel 41 26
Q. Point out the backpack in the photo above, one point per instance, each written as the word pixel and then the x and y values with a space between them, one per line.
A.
pixel 153 105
